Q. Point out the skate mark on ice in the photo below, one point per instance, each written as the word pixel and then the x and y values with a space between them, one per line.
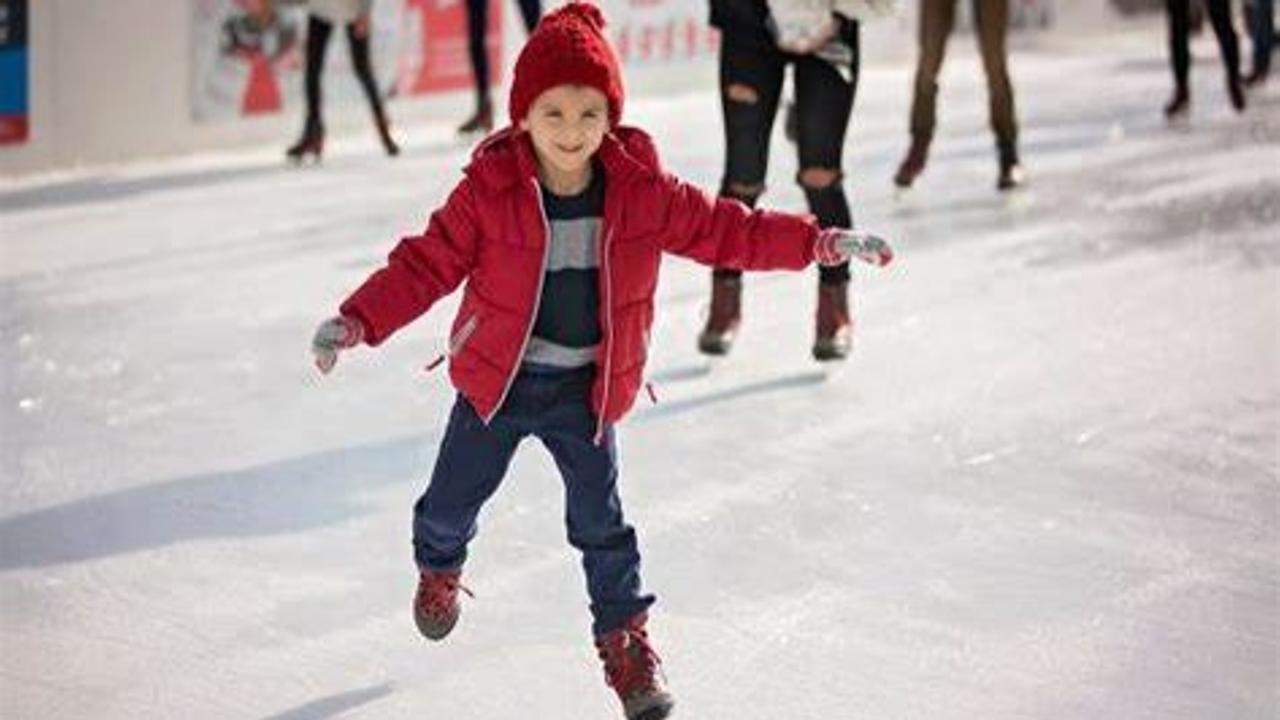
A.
pixel 335 705
pixel 690 371
pixel 787 382
pixel 107 189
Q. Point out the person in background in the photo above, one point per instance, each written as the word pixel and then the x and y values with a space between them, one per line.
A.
pixel 759 41
pixel 477 25
pixel 1179 13
pixel 353 16
pixel 991 25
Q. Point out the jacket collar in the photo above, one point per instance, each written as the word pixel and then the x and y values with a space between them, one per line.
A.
pixel 507 157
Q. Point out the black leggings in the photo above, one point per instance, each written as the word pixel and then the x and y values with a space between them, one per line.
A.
pixel 318 31
pixel 1180 28
pixel 824 103
pixel 477 22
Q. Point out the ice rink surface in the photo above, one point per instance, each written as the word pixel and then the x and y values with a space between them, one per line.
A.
pixel 1044 486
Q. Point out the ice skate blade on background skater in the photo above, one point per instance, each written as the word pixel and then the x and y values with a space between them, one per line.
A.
pixel 716 345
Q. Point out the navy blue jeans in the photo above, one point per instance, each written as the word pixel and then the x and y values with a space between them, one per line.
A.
pixel 555 407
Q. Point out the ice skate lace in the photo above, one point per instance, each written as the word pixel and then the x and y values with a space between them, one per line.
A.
pixel 437 592
pixel 630 663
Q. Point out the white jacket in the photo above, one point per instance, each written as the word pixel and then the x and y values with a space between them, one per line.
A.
pixel 339 12
pixel 802 23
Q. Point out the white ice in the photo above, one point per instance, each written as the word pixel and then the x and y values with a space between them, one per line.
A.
pixel 1045 485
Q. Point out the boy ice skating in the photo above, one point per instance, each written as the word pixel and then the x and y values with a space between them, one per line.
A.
pixel 558 228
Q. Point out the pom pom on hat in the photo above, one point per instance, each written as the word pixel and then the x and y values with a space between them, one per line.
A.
pixel 583 11
pixel 568 47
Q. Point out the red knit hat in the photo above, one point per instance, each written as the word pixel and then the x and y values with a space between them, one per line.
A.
pixel 568 47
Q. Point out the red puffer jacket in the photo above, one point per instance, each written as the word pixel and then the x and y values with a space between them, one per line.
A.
pixel 492 232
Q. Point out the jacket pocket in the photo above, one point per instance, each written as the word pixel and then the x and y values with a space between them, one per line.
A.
pixel 457 341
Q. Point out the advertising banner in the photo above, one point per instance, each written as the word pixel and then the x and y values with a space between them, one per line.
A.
pixel 655 31
pixel 14 77
pixel 249 55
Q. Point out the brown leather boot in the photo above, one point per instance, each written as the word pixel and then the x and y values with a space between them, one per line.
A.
pixel 913 164
pixel 833 336
pixel 725 316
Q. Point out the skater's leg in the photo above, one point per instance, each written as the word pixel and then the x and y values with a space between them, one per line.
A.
pixel 992 20
pixel 936 20
pixel 593 509
pixel 358 43
pixel 1179 43
pixel 472 461
pixel 1263 31
pixel 530 12
pixel 1228 42
pixel 750 89
pixel 477 25
pixel 312 140
pixel 824 105
pixel 318 32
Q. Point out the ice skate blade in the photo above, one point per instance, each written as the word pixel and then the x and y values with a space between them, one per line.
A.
pixel 657 708
pixel 716 345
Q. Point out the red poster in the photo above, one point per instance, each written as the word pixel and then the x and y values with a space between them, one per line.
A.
pixel 441 62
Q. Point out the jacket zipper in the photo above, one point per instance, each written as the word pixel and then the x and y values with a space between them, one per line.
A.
pixel 537 301
pixel 605 237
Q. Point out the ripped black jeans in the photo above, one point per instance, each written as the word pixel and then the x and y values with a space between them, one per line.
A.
pixel 751 79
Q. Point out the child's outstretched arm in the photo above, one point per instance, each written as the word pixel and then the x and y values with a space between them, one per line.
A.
pixel 726 233
pixel 722 232
pixel 420 270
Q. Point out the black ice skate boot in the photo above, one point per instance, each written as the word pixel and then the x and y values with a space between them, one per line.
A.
pixel 1012 176
pixel 311 143
pixel 913 164
pixel 481 123
pixel 389 144
pixel 833 335
pixel 725 315
pixel 1178 106
pixel 631 668
pixel 435 605
pixel 1235 91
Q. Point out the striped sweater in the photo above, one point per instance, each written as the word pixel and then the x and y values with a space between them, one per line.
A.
pixel 567 333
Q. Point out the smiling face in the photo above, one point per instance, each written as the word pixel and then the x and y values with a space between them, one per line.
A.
pixel 567 124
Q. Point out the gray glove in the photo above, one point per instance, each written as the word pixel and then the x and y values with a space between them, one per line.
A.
pixel 838 245
pixel 335 334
